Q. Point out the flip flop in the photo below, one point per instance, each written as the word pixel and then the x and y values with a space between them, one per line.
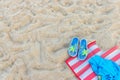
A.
pixel 73 48
pixel 83 52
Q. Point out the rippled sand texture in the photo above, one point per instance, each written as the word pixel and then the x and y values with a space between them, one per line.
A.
pixel 34 34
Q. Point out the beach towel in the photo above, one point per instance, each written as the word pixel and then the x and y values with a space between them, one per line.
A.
pixel 83 70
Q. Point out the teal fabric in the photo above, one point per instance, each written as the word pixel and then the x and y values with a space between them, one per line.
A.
pixel 107 69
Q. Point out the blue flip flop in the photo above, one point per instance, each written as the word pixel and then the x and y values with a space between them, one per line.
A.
pixel 73 47
pixel 83 52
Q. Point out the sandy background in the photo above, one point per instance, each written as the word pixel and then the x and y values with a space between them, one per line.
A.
pixel 34 34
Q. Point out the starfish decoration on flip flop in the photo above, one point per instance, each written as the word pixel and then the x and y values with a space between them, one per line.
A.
pixel 85 52
pixel 72 48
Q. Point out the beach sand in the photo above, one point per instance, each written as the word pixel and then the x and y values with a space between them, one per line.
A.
pixel 35 34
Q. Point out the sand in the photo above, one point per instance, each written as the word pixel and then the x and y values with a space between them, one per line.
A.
pixel 34 34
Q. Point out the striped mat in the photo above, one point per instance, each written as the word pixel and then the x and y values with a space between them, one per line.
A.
pixel 82 69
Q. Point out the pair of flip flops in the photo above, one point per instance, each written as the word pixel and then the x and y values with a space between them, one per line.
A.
pixel 75 50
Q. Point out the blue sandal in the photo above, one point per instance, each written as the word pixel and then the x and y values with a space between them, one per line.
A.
pixel 83 52
pixel 73 48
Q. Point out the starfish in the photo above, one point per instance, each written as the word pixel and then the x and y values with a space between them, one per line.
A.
pixel 85 52
pixel 72 48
